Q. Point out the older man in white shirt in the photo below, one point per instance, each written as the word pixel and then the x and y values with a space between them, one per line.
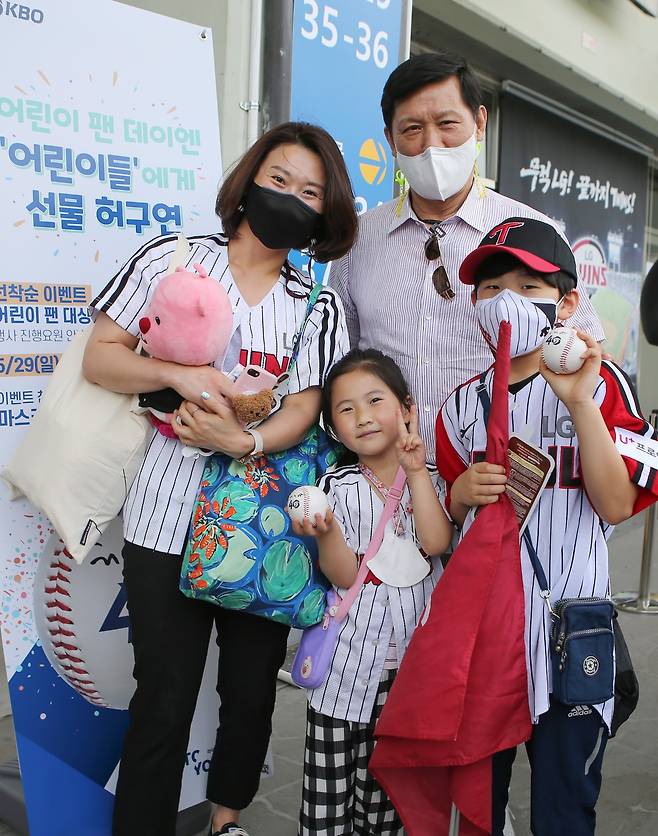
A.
pixel 399 284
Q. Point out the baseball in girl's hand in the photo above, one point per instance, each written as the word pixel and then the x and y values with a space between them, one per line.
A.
pixel 563 350
pixel 306 502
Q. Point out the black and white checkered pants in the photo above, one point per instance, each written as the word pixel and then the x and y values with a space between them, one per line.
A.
pixel 339 796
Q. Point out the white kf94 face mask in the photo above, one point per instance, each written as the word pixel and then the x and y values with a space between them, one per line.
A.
pixel 398 561
pixel 531 320
pixel 439 173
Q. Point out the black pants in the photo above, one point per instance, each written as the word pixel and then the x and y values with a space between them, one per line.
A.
pixel 170 635
pixel 566 756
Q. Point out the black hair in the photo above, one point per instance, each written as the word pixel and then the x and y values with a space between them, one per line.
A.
pixel 369 360
pixel 499 263
pixel 428 68
pixel 339 222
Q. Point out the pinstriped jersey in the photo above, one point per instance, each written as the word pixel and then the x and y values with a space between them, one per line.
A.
pixel 379 613
pixel 569 536
pixel 158 508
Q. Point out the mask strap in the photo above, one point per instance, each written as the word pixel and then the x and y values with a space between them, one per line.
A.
pixel 482 189
pixel 479 183
pixel 401 181
pixel 557 308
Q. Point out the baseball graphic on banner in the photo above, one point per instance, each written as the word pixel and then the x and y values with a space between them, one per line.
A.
pixel 81 619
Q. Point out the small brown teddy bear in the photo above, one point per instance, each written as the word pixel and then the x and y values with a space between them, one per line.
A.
pixel 253 407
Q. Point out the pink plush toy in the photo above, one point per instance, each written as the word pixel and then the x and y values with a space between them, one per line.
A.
pixel 189 320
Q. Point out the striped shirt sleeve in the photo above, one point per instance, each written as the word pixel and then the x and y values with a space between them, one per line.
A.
pixel 620 408
pixel 323 343
pixel 325 484
pixel 339 279
pixel 586 319
pixel 452 458
pixel 126 295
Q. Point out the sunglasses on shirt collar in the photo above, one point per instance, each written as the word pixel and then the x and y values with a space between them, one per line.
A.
pixel 440 279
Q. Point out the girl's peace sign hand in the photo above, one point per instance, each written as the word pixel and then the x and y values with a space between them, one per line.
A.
pixel 410 446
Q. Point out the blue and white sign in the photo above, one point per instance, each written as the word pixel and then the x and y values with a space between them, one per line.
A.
pixel 103 145
pixel 342 54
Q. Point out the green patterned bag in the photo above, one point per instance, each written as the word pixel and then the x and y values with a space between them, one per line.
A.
pixel 242 553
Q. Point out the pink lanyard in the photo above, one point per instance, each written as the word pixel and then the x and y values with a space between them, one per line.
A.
pixel 393 496
pixel 376 482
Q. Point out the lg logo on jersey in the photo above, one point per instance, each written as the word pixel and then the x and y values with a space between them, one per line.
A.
pixel 563 427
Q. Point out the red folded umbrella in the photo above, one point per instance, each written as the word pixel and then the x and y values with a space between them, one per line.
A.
pixel 461 692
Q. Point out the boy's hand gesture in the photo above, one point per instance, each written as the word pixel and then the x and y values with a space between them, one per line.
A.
pixel 410 446
pixel 577 388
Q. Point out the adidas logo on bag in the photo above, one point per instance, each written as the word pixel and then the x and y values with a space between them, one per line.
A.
pixel 580 711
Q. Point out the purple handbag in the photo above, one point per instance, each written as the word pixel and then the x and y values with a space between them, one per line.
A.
pixel 315 653
pixel 316 649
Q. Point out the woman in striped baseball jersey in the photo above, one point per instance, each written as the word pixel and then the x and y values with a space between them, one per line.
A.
pixel 290 190
pixel 523 272
pixel 366 403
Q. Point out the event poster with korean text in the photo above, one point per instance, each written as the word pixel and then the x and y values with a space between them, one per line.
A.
pixel 596 189
pixel 342 54
pixel 108 137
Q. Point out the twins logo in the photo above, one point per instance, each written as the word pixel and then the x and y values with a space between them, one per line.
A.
pixel 501 232
pixel 566 474
pixel 591 262
pixel 269 362
pixel 82 622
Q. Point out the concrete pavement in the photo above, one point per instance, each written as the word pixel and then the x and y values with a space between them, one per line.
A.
pixel 629 798
pixel 628 805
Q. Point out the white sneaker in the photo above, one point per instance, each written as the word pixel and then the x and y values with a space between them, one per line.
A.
pixel 230 829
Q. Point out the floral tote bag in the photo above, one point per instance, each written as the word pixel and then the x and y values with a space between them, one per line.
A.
pixel 242 553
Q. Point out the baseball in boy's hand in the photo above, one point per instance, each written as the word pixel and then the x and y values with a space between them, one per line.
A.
pixel 563 350
pixel 306 502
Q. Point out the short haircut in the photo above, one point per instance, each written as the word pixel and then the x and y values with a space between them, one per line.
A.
pixel 428 68
pixel 499 263
pixel 338 226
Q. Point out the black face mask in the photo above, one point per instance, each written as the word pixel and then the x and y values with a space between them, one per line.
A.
pixel 279 220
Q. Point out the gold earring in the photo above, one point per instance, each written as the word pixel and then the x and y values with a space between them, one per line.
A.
pixel 402 182
pixel 482 189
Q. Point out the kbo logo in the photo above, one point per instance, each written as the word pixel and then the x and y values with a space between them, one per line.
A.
pixel 20 12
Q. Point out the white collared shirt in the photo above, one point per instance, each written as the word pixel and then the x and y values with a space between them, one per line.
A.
pixel 158 508
pixel 385 283
pixel 380 613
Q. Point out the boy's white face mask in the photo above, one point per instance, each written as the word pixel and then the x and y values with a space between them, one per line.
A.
pixel 439 173
pixel 531 319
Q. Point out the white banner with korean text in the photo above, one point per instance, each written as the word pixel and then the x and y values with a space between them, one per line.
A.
pixel 109 136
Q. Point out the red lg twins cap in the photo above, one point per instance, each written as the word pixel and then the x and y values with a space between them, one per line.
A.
pixel 535 243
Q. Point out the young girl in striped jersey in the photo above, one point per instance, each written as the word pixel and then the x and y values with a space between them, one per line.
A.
pixel 367 406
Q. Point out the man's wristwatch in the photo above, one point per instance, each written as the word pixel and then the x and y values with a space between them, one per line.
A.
pixel 258 446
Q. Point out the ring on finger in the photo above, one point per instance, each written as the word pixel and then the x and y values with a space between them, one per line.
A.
pixel 179 420
pixel 205 396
